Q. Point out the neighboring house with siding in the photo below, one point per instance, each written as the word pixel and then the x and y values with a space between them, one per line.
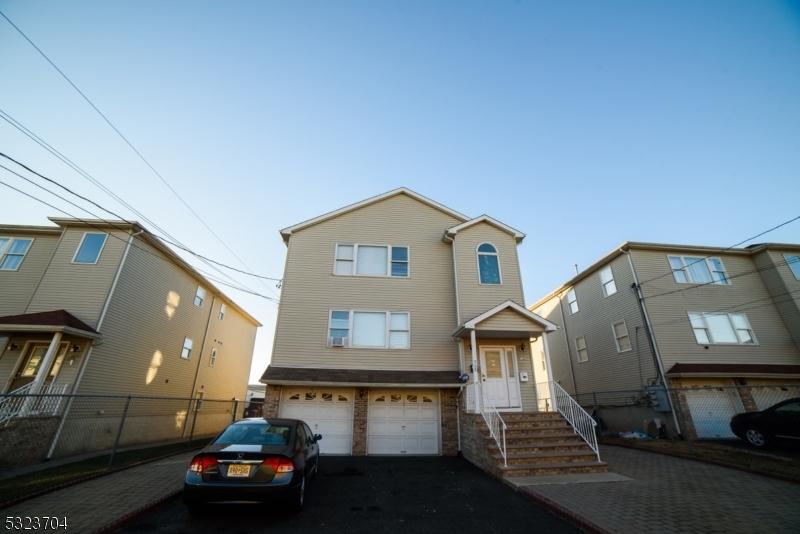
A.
pixel 716 318
pixel 393 311
pixel 97 307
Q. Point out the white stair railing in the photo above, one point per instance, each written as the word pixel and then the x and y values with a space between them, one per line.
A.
pixel 582 423
pixel 20 403
pixel 484 405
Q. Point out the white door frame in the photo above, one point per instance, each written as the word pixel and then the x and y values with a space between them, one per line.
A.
pixel 507 375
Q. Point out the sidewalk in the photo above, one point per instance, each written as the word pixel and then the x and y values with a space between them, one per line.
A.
pixel 91 505
pixel 672 495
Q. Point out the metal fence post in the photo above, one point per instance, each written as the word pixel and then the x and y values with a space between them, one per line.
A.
pixel 119 432
pixel 235 410
pixel 194 420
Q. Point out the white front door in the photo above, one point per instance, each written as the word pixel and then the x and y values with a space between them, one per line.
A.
pixel 403 422
pixel 328 412
pixel 499 376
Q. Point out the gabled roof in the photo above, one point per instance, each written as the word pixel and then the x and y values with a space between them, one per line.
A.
pixel 286 233
pixel 472 324
pixel 50 321
pixel 451 232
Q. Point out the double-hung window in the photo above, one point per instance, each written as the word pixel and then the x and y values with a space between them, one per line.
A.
pixel 722 328
pixel 13 251
pixel 371 260
pixel 607 279
pixel 369 329
pixel 199 297
pixel 792 260
pixel 621 337
pixel 90 248
pixel 222 310
pixel 572 300
pixel 580 345
pixel 213 358
pixel 186 352
pixel 698 270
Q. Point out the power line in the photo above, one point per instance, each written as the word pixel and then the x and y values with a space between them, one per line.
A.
pixel 130 145
pixel 105 232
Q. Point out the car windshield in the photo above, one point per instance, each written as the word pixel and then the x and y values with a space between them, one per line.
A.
pixel 255 435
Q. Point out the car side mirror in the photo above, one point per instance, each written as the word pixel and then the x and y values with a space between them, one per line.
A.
pixel 317 437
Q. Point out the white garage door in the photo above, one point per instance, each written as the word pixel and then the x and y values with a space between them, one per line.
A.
pixel 712 409
pixel 329 412
pixel 403 422
pixel 767 395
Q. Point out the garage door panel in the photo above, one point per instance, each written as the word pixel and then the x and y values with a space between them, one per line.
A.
pixel 328 412
pixel 712 410
pixel 404 422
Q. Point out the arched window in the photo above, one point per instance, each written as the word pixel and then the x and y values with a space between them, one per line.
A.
pixel 488 264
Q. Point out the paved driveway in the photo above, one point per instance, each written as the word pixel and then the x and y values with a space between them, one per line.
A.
pixel 379 495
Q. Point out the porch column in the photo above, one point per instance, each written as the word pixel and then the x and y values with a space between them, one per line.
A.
pixel 44 367
pixel 474 345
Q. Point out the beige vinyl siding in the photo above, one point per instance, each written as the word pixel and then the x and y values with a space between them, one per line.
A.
pixel 671 327
pixel 17 287
pixel 559 355
pixel 310 290
pixel 782 286
pixel 507 320
pixel 476 298
pixel 81 289
pixel 145 327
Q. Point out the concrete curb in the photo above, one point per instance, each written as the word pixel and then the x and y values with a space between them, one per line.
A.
pixel 39 493
pixel 118 523
pixel 564 513
pixel 752 470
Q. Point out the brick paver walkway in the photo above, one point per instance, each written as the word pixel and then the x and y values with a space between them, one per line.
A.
pixel 93 504
pixel 673 495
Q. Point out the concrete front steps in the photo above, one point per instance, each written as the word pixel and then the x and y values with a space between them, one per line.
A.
pixel 542 443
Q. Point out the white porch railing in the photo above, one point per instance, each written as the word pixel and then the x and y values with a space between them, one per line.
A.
pixel 20 403
pixel 582 423
pixel 479 401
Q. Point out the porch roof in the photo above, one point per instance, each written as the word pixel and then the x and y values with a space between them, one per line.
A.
pixel 526 325
pixel 303 376
pixel 50 321
pixel 733 370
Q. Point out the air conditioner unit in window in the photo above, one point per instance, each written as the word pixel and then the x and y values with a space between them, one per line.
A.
pixel 338 342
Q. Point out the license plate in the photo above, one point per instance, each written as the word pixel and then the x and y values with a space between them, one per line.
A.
pixel 238 470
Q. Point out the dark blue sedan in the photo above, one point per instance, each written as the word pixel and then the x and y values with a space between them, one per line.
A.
pixel 254 461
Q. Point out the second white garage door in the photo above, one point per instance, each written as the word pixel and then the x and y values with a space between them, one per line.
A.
pixel 403 422
pixel 328 412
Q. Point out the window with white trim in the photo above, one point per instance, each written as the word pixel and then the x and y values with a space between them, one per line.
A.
pixel 572 300
pixel 199 297
pixel 488 264
pixel 13 251
pixel 792 260
pixel 544 362
pixel 213 358
pixel 186 352
pixel 580 345
pixel 621 337
pixel 90 248
pixel 698 270
pixel 722 328
pixel 369 329
pixel 371 260
pixel 222 310
pixel 198 405
pixel 607 279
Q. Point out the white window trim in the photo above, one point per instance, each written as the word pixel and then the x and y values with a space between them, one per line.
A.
pixel 710 334
pixel 578 349
pixel 710 268
pixel 786 257
pixel 183 347
pixel 478 263
pixel 389 313
pixel 8 246
pixel 212 359
pixel 103 246
pixel 606 294
pixel 355 260
pixel 222 311
pixel 627 334
pixel 202 299
pixel 569 302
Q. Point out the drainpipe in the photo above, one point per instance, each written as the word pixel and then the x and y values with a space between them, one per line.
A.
pixel 199 360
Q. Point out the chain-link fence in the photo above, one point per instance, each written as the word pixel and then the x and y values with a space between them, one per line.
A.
pixel 61 436
pixel 759 415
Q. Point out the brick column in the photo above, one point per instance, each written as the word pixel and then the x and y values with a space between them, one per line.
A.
pixel 679 398
pixel 360 423
pixel 449 422
pixel 746 395
pixel 272 402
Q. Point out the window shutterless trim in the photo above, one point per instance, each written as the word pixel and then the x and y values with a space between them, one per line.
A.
pixel 707 261
pixel 354 261
pixel 578 349
pixel 608 268
pixel 190 348
pixel 4 253
pixel 627 334
pixel 387 332
pixel 99 252
pixel 496 254
pixel 710 334
pixel 212 359
pixel 789 263
pixel 197 296
pixel 575 300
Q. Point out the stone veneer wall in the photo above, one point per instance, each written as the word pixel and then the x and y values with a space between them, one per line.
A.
pixel 25 440
pixel 360 423
pixel 272 401
pixel 449 408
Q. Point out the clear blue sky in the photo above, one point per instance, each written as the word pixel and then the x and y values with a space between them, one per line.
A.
pixel 582 124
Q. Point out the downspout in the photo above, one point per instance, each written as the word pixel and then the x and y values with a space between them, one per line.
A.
pixel 460 341
pixel 199 361
pixel 91 346
pixel 566 340
pixel 648 329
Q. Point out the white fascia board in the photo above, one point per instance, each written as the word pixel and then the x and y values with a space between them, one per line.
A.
pixel 518 236
pixel 549 327
pixel 287 232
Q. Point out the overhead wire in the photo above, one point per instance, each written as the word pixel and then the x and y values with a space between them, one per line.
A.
pixel 130 145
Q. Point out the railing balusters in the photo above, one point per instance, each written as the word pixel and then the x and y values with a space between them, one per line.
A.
pixel 582 423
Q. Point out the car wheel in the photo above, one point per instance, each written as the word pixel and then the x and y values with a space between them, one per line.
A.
pixel 755 438
pixel 297 499
pixel 195 509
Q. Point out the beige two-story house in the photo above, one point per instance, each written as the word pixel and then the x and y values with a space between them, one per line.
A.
pixel 648 315
pixel 391 309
